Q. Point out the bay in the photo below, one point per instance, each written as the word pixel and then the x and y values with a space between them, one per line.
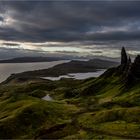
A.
pixel 6 69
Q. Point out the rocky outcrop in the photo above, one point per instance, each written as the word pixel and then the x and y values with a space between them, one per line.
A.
pixel 133 74
pixel 124 58
pixel 129 71
pixel 123 68
pixel 136 67
pixel 129 60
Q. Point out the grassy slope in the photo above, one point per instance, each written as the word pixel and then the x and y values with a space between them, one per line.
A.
pixel 92 108
pixel 115 111
pixel 24 117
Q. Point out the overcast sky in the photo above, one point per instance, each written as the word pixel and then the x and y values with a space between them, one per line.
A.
pixel 69 28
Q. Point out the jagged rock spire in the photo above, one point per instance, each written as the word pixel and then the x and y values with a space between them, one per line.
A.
pixel 133 73
pixel 123 56
pixel 136 67
pixel 129 60
pixel 137 60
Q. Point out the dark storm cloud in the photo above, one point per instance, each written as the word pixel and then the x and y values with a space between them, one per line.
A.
pixel 10 44
pixel 39 21
pixel 118 36
pixel 7 53
pixel 1 19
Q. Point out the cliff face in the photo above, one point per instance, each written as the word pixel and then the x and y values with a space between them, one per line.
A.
pixel 133 74
pixel 135 68
pixel 123 68
pixel 130 71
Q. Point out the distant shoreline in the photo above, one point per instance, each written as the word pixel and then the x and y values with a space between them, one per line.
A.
pixel 73 66
pixel 31 59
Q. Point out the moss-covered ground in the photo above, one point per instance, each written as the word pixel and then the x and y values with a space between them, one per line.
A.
pixel 95 108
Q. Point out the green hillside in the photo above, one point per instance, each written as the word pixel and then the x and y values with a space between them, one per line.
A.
pixel 107 107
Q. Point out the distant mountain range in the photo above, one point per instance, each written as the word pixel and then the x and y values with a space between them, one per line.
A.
pixel 31 59
pixel 73 66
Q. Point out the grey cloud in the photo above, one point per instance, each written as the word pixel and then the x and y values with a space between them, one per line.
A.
pixel 7 53
pixel 66 52
pixel 10 44
pixel 40 21
pixel 1 19
pixel 118 36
